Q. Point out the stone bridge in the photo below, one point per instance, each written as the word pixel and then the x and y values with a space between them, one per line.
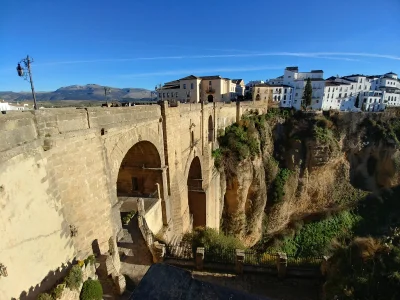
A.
pixel 66 173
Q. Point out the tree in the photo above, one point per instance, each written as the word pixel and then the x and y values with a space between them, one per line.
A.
pixel 357 103
pixel 307 95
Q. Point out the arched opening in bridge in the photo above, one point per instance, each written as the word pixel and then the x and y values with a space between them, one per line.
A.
pixel 210 129
pixel 140 171
pixel 210 98
pixel 196 194
pixel 137 191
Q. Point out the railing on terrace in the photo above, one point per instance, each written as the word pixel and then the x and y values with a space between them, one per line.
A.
pixel 181 251
pixel 294 261
pixel 219 255
pixel 260 259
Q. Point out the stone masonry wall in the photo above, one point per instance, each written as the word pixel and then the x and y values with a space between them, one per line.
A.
pixel 59 168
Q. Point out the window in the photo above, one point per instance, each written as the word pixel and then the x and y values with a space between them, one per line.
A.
pixel 317 101
pixel 340 95
pixel 159 95
pixel 163 94
pixel 289 76
pixel 359 87
pixel 290 97
pixel 275 98
pixel 184 86
pixel 284 97
pixel 297 94
pixel 135 186
pixel 329 89
pixel 191 86
pixel 285 91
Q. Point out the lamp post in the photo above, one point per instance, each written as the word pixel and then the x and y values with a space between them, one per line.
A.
pixel 22 73
pixel 107 90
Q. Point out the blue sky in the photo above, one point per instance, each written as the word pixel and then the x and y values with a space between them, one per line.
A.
pixel 142 43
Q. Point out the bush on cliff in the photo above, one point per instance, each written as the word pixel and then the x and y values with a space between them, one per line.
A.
pixel 212 240
pixel 74 278
pixel 91 290
pixel 366 269
pixel 44 296
pixel 315 238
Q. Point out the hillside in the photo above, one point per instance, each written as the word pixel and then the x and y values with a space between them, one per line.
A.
pixel 80 92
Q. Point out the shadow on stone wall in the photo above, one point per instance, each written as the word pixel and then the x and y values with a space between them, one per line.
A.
pixel 52 278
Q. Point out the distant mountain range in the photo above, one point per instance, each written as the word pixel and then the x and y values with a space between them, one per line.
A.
pixel 80 92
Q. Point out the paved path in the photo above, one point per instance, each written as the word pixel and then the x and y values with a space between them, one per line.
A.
pixel 138 259
pixel 265 285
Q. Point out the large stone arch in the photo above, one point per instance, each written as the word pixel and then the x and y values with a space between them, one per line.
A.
pixel 140 171
pixel 125 141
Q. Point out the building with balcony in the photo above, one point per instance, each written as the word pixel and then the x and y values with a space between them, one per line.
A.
pixel 195 89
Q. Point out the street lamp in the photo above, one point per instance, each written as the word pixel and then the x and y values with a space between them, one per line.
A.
pixel 22 73
pixel 107 90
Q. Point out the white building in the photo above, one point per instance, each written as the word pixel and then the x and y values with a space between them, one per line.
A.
pixel 293 83
pixel 7 106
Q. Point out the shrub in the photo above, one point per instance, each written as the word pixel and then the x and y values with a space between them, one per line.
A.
pixel 74 278
pixel 90 260
pixel 211 239
pixel 57 292
pixel 44 296
pixel 278 186
pixel 128 217
pixel 316 238
pixel 91 290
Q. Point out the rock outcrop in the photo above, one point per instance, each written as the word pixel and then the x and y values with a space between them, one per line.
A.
pixel 307 164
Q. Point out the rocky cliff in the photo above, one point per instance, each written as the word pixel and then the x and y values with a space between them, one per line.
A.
pixel 284 167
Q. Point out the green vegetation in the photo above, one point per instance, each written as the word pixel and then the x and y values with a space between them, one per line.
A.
pixel 378 131
pixel 74 278
pixel 368 267
pixel 127 218
pixel 357 103
pixel 278 186
pixel 307 95
pixel 91 290
pixel 315 238
pixel 57 291
pixel 90 260
pixel 44 296
pixel 237 142
pixel 212 240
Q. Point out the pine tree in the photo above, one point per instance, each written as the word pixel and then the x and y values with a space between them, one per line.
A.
pixel 307 95
pixel 357 103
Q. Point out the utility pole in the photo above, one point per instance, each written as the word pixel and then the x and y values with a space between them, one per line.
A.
pixel 106 90
pixel 27 62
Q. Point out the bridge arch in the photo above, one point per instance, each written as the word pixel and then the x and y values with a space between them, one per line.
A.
pixel 140 171
pixel 196 194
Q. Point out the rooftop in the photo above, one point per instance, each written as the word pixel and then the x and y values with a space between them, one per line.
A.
pixel 237 81
pixel 317 71
pixel 292 68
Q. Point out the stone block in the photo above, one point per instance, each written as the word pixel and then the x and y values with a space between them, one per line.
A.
pixel 200 258
pixel 239 261
pixel 281 264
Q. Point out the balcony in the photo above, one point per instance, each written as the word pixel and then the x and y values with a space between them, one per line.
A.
pixel 195 185
pixel 210 90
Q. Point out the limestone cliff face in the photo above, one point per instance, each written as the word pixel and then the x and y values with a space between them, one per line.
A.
pixel 308 164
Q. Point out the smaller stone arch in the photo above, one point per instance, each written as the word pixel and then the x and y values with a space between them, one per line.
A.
pixel 210 129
